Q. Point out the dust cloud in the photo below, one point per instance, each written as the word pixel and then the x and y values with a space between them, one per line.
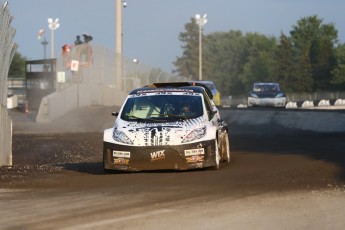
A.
pixel 86 119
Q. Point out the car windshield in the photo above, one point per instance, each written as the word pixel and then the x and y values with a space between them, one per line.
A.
pixel 155 108
pixel 266 88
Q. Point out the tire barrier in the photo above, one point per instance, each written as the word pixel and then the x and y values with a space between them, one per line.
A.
pixel 339 102
pixel 317 104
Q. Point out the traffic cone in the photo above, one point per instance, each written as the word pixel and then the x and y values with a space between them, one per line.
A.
pixel 26 107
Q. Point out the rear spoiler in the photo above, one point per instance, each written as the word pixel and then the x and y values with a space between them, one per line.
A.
pixel 180 84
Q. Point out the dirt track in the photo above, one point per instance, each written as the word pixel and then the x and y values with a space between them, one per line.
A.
pixel 291 182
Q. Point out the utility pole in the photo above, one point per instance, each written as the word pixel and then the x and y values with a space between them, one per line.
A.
pixel 118 48
pixel 201 21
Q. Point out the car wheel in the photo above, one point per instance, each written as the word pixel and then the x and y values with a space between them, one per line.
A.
pixel 249 104
pixel 225 150
pixel 216 156
pixel 105 170
pixel 108 171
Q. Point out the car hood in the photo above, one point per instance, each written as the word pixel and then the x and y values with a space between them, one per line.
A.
pixel 155 134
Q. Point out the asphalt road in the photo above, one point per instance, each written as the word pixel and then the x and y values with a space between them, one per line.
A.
pixel 292 181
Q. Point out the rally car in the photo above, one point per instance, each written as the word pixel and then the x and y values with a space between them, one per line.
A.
pixel 266 94
pixel 212 87
pixel 166 126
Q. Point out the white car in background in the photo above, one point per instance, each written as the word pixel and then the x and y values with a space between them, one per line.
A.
pixel 266 94
pixel 155 131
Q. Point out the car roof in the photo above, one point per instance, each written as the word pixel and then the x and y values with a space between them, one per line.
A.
pixel 174 86
pixel 266 83
pixel 210 85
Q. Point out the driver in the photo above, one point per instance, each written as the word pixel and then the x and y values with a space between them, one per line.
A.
pixel 185 110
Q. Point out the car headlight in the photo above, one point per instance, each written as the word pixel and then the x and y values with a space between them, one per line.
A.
pixel 120 136
pixel 195 134
pixel 253 95
pixel 280 95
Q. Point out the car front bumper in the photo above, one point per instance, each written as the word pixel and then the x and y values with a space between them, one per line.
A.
pixel 273 102
pixel 139 158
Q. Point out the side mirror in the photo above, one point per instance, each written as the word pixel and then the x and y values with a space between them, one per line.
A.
pixel 211 114
pixel 115 114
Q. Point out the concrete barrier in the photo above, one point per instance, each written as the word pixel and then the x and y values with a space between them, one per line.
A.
pixel 12 102
pixel 272 122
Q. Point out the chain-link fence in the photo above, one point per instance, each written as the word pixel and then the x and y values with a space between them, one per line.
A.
pixel 7 49
pixel 86 76
pixel 99 68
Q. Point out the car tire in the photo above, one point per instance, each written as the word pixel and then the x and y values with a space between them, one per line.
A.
pixel 225 149
pixel 216 156
pixel 249 104
pixel 108 171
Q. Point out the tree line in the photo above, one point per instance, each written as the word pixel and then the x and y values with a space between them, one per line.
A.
pixel 309 59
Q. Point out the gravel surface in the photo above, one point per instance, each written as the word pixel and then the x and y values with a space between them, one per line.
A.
pixel 273 182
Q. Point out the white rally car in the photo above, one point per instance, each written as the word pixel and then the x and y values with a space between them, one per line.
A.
pixel 172 126
pixel 266 94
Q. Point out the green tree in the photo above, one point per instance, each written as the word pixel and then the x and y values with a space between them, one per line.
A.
pixel 17 67
pixel 224 55
pixel 285 68
pixel 307 60
pixel 314 44
pixel 188 64
pixel 338 73
pixel 260 61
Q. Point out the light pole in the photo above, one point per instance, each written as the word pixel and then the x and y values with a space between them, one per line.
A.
pixel 53 25
pixel 201 21
pixel 44 42
pixel 136 62
pixel 118 43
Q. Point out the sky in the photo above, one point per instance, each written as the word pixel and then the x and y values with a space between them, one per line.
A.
pixel 151 28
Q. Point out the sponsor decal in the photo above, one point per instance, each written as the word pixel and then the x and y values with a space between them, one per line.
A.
pixel 121 161
pixel 194 152
pixel 158 155
pixel 197 165
pixel 194 159
pixel 121 154
pixel 121 167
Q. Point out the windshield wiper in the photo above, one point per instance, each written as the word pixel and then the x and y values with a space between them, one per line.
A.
pixel 159 117
pixel 169 115
pixel 165 115
pixel 134 117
